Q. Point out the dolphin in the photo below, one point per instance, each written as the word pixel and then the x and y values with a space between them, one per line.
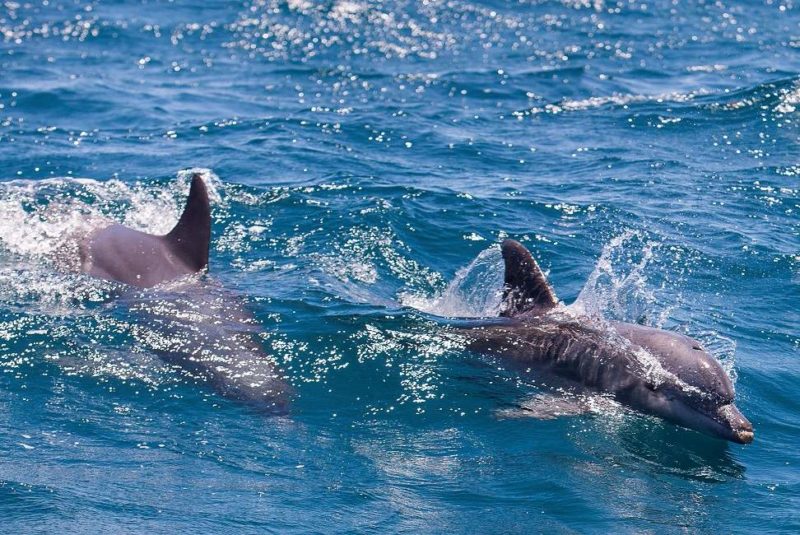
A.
pixel 188 320
pixel 651 370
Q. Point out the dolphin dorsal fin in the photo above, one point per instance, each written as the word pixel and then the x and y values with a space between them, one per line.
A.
pixel 191 236
pixel 526 287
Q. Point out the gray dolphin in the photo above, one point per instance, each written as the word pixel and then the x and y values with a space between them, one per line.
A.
pixel 188 321
pixel 654 371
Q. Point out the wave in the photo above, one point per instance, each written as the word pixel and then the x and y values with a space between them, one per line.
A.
pixel 780 97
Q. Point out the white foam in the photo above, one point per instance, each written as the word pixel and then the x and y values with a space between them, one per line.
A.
pixel 616 99
pixel 789 100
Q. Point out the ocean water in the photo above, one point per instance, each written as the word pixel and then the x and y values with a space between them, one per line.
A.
pixel 365 159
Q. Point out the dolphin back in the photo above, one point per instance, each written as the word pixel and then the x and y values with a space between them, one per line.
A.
pixel 139 259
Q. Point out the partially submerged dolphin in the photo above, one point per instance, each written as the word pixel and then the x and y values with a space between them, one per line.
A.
pixel 189 321
pixel 122 254
pixel 657 372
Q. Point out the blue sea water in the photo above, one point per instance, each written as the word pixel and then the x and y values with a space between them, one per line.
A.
pixel 365 159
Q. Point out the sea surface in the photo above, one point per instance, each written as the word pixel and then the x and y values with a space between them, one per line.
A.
pixel 365 159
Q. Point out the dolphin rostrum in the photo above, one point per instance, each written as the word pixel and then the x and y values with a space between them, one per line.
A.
pixel 654 371
pixel 191 322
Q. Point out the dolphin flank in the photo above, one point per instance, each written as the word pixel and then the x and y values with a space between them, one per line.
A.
pixel 654 371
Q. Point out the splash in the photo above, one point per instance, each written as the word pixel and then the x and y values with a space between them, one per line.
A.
pixel 618 287
pixel 357 259
pixel 474 292
pixel 621 288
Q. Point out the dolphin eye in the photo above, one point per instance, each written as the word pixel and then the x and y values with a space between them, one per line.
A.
pixel 697 348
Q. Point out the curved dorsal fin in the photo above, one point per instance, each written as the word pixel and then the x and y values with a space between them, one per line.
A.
pixel 190 238
pixel 526 287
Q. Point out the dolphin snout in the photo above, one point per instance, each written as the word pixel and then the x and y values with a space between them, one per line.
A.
pixel 740 427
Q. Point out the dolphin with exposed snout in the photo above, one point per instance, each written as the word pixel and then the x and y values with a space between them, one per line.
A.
pixel 189 321
pixel 654 371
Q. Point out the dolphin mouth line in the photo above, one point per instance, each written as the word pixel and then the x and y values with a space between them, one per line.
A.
pixel 740 432
pixel 740 426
